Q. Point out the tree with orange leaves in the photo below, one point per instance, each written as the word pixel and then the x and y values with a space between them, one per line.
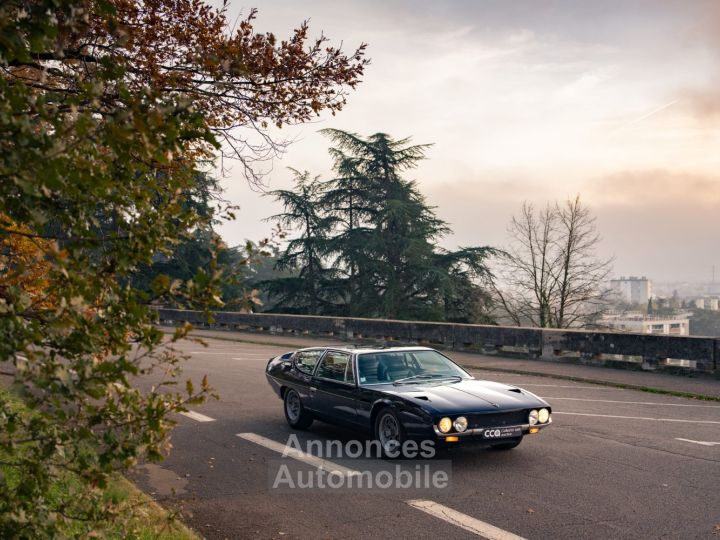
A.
pixel 106 109
pixel 22 264
pixel 243 82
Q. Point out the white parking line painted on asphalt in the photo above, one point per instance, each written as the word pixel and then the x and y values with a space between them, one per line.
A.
pixel 478 369
pixel 475 526
pixel 294 453
pixel 566 386
pixel 197 416
pixel 640 418
pixel 702 443
pixel 209 352
pixel 634 402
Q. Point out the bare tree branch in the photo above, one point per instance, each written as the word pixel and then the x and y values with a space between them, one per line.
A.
pixel 550 275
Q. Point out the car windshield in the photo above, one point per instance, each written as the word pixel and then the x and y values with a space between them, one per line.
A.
pixel 406 367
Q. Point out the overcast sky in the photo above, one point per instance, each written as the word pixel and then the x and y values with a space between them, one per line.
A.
pixel 533 100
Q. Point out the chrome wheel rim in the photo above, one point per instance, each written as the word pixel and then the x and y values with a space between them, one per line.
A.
pixel 388 430
pixel 292 406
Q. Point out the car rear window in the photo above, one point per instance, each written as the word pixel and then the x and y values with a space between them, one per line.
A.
pixel 306 360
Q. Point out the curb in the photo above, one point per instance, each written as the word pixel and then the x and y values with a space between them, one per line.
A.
pixel 599 382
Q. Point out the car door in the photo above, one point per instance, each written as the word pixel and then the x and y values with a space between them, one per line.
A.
pixel 303 366
pixel 333 388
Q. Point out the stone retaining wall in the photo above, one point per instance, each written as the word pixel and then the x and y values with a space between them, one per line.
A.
pixel 646 351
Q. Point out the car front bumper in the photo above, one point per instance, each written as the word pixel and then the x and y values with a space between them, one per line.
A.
pixel 489 435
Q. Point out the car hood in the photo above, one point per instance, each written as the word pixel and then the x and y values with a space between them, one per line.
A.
pixel 467 396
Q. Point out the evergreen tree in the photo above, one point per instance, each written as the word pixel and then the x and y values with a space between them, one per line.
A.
pixel 376 236
pixel 395 250
pixel 463 299
pixel 349 198
pixel 309 291
pixel 395 270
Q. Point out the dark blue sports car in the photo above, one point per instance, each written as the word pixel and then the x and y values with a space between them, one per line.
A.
pixel 403 393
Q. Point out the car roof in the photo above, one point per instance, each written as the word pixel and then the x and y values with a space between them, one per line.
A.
pixel 351 349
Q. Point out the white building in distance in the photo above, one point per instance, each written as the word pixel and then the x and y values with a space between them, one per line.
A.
pixel 639 323
pixel 633 290
pixel 707 302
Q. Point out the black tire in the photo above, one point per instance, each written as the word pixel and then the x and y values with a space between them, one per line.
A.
pixel 386 422
pixel 508 445
pixel 295 414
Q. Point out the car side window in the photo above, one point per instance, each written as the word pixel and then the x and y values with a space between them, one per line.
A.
pixel 334 366
pixel 305 361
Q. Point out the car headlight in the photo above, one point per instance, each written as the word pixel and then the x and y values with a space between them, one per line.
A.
pixel 543 416
pixel 533 417
pixel 445 425
pixel 460 424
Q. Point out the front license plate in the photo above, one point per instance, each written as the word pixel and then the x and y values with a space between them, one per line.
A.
pixel 501 432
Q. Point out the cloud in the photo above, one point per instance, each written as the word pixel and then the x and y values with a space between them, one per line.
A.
pixel 666 242
pixel 703 103
pixel 534 101
pixel 641 188
pixel 656 222
pixel 703 100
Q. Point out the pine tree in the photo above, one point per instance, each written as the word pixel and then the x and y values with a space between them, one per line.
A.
pixel 380 206
pixel 463 298
pixel 309 290
pixel 367 245
pixel 389 232
pixel 349 198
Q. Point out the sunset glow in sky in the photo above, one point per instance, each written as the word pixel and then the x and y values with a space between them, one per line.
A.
pixel 534 100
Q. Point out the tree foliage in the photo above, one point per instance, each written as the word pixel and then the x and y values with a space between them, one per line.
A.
pixel 107 110
pixel 201 251
pixel 241 79
pixel 705 322
pixel 22 263
pixel 309 290
pixel 550 275
pixel 373 245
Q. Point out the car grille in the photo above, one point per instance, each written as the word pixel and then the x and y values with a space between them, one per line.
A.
pixel 512 418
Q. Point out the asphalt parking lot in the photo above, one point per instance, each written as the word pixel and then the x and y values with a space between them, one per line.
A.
pixel 614 464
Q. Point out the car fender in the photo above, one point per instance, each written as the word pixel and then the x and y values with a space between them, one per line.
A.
pixel 406 410
pixel 541 401
pixel 378 405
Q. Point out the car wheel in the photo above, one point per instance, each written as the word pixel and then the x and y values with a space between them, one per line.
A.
pixel 507 445
pixel 389 433
pixel 295 413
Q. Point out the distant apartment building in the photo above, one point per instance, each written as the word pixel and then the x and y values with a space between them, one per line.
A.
pixel 706 302
pixel 640 323
pixel 633 290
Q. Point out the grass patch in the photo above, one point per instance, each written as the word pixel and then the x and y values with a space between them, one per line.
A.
pixel 149 520
pixel 139 517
